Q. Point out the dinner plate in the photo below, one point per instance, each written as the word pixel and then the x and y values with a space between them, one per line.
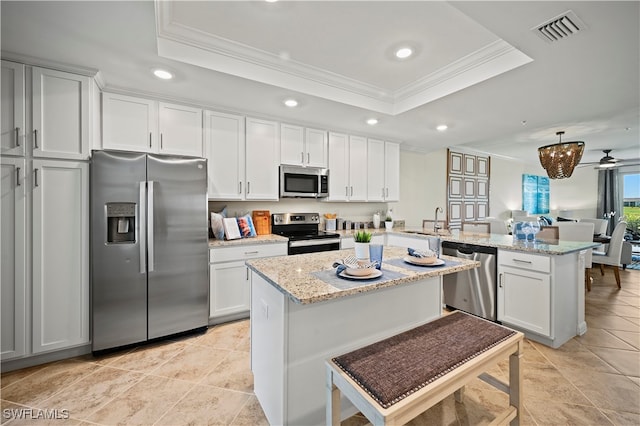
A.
pixel 438 262
pixel 377 273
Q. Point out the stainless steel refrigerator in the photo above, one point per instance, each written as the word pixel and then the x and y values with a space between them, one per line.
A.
pixel 149 247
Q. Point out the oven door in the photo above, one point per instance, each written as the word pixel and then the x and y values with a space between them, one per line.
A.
pixel 314 245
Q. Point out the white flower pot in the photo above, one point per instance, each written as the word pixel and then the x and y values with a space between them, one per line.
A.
pixel 362 251
pixel 388 225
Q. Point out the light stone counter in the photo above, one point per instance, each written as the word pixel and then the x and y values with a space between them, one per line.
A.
pixel 293 275
pixel 500 241
pixel 260 239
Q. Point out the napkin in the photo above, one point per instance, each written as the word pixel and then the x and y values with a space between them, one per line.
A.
pixel 420 253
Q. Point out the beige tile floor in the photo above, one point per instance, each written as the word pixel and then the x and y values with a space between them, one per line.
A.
pixel 205 380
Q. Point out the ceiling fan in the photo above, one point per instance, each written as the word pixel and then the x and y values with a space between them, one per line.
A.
pixel 608 161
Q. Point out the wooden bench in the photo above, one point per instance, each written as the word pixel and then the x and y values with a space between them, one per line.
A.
pixel 395 380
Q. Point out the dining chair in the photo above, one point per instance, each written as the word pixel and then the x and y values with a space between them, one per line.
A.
pixel 497 226
pixel 599 225
pixel 614 252
pixel 583 232
pixel 476 227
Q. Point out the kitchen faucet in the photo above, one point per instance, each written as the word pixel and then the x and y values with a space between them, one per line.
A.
pixel 435 225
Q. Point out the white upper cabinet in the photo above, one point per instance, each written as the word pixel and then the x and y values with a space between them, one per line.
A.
pixel 61 121
pixel 316 148
pixel 262 159
pixel 12 109
pixel 136 124
pixel 392 171
pixel 292 145
pixel 338 167
pixel 357 168
pixel 225 152
pixel 383 162
pixel 302 146
pixel 180 130
pixel 375 170
pixel 129 123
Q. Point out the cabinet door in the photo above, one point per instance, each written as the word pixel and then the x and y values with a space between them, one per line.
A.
pixel 61 121
pixel 338 167
pixel 316 148
pixel 12 109
pixel 13 309
pixel 357 168
pixel 224 149
pixel 60 254
pixel 375 170
pixel 262 159
pixel 392 171
pixel 292 145
pixel 180 130
pixel 524 299
pixel 229 288
pixel 129 123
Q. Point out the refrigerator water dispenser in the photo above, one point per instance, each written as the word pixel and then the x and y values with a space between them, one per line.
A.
pixel 121 222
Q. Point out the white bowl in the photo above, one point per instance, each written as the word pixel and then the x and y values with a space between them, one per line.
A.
pixel 424 260
pixel 359 272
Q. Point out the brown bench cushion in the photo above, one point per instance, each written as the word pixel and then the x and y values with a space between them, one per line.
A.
pixel 394 368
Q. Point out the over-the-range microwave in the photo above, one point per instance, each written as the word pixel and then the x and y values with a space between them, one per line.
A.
pixel 309 182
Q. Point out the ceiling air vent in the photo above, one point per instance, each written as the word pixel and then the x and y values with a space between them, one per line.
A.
pixel 560 27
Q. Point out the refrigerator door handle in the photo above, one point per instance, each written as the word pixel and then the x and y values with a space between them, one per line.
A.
pixel 142 227
pixel 150 215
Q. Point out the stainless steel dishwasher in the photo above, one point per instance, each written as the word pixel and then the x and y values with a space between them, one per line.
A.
pixel 472 291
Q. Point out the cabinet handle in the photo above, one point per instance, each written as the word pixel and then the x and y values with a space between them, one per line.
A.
pixel 352 191
pixel 382 192
pixel 302 157
pixel 161 144
pixel 17 136
pixel 251 252
pixel 149 139
pixel 522 261
pixel 248 187
pixel 247 269
pixel 35 178
pixel 17 176
pixel 35 138
pixel 500 284
pixel 308 158
pixel 346 191
pixel 240 187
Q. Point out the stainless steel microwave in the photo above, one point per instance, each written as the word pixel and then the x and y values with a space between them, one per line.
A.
pixel 309 182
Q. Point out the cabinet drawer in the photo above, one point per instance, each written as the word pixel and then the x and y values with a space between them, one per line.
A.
pixel 244 252
pixel 521 260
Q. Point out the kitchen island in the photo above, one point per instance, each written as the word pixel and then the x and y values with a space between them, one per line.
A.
pixel 541 285
pixel 302 314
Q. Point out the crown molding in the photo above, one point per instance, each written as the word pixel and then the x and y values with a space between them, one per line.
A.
pixel 58 66
pixel 179 42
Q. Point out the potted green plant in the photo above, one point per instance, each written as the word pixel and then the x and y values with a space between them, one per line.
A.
pixel 362 240
pixel 388 223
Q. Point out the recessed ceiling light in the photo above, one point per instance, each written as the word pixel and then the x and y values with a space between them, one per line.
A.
pixel 372 121
pixel 291 103
pixel 162 74
pixel 442 127
pixel 404 52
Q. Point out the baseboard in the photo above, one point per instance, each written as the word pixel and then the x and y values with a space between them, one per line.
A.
pixel 30 361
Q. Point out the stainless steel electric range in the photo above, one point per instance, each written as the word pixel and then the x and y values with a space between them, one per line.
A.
pixel 303 232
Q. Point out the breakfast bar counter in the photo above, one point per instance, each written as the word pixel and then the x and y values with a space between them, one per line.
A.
pixel 303 314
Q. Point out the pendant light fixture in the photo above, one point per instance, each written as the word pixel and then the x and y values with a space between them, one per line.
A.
pixel 561 158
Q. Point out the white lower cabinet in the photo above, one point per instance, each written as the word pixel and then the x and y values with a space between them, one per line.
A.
pixel 542 295
pixel 525 299
pixel 229 278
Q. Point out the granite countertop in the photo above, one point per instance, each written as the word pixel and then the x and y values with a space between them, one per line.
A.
pixel 501 241
pixel 294 276
pixel 260 239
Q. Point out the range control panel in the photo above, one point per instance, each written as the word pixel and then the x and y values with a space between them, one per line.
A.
pixel 295 218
